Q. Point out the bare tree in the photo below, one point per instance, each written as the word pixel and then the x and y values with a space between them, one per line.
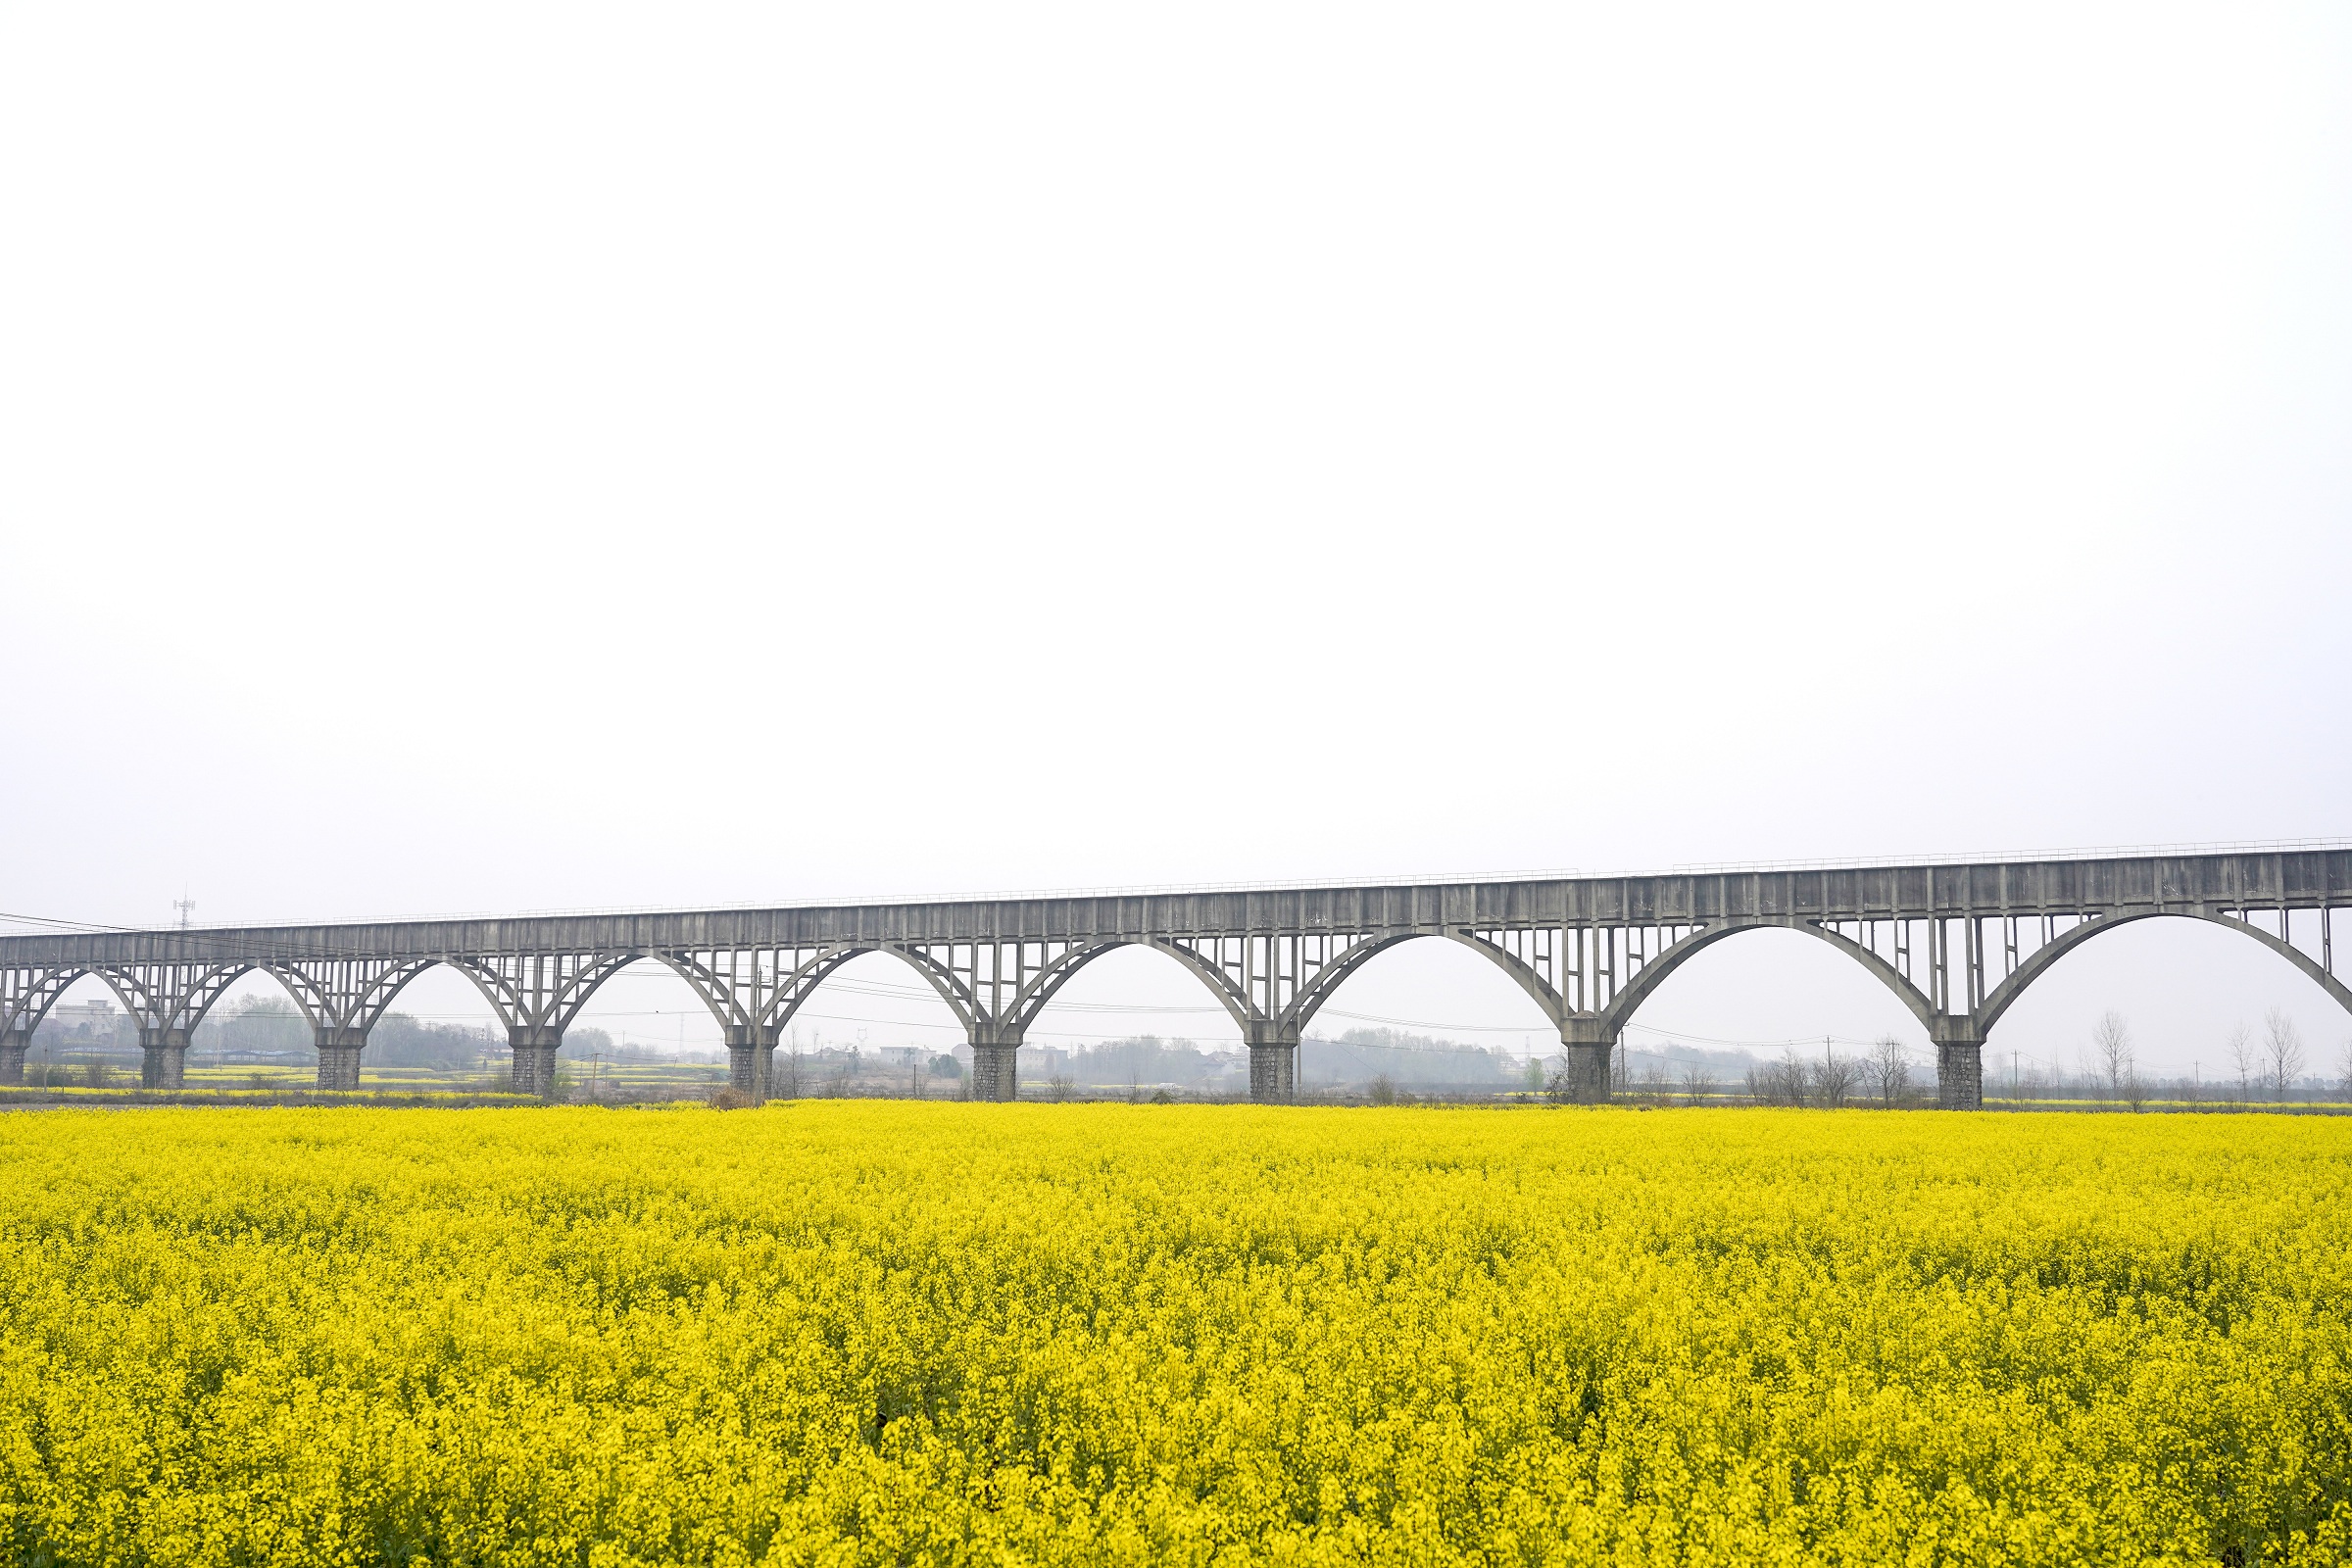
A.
pixel 1699 1084
pixel 1890 1069
pixel 1834 1078
pixel 1652 1083
pixel 2283 1050
pixel 1560 1084
pixel 2111 1052
pixel 2242 1056
pixel 1777 1083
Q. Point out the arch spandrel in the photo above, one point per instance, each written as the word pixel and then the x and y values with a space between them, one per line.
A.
pixel 2046 956
pixel 1311 996
pixel 1041 990
pixel 1319 988
pixel 539 992
pixel 381 996
pixel 208 992
pixel 1654 973
pixel 27 1007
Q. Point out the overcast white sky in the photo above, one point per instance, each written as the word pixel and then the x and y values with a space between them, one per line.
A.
pixel 494 457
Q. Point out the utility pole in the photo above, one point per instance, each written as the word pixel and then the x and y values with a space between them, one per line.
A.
pixel 184 904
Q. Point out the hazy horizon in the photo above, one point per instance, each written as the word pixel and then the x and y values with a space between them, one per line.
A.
pixel 510 458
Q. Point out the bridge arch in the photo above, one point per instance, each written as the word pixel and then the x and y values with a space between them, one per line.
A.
pixel 308 998
pixel 149 1009
pixel 1312 995
pixel 1041 990
pixel 311 1001
pixel 50 989
pixel 795 989
pixel 2004 996
pixel 1654 973
pixel 387 991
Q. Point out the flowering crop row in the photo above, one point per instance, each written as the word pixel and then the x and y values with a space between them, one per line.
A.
pixel 882 1331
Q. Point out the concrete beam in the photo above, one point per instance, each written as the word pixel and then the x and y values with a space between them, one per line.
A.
pixel 2182 884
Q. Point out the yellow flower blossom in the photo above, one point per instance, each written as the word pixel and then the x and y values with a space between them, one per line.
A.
pixel 845 1333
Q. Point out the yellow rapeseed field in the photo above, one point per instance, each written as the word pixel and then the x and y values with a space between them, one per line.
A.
pixel 855 1331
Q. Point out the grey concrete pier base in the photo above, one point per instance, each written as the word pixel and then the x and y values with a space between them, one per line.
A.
pixel 339 1058
pixel 1586 1077
pixel 995 1071
pixel 743 1071
pixel 750 1060
pixel 1273 1074
pixel 162 1059
pixel 535 1061
pixel 13 1048
pixel 1273 1064
pixel 1960 1074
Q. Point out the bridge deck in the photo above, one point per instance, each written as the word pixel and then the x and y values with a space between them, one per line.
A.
pixel 2308 879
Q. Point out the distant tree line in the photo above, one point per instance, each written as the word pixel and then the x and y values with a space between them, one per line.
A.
pixel 1406 1061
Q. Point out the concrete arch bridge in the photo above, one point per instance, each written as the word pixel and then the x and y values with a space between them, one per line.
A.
pixel 1958 943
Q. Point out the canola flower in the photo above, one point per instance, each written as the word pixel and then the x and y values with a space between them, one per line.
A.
pixel 880 1333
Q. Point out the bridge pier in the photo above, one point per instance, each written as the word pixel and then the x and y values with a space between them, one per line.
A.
pixel 162 1059
pixel 996 1069
pixel 1960 1071
pixel 1587 1048
pixel 750 1060
pixel 534 1049
pixel 339 1055
pixel 1273 1064
pixel 13 1046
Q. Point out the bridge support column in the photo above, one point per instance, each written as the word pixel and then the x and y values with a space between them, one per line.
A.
pixel 339 1057
pixel 1587 1048
pixel 1273 1064
pixel 535 1059
pixel 162 1059
pixel 995 1066
pixel 13 1046
pixel 1960 1067
pixel 750 1060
